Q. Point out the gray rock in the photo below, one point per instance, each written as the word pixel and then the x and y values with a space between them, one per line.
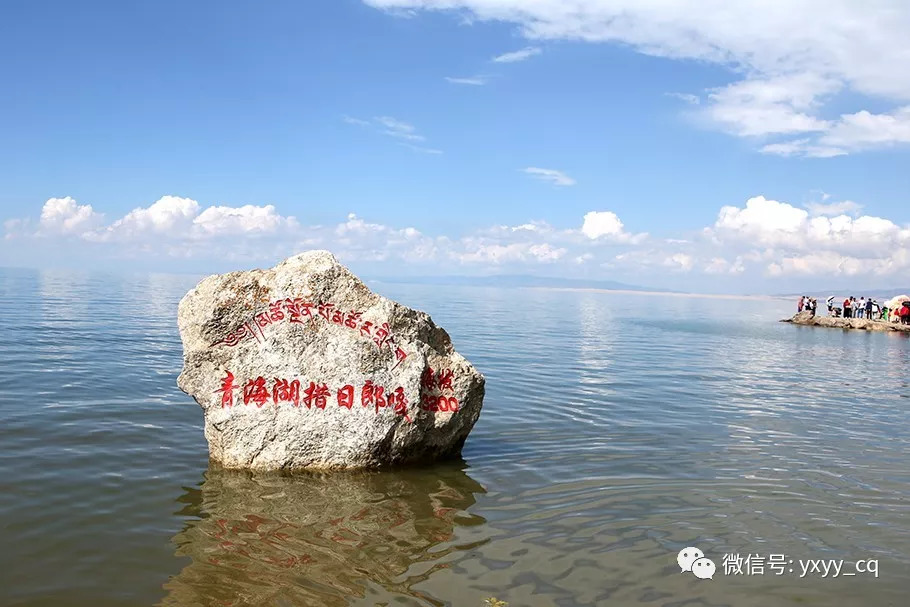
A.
pixel 860 324
pixel 302 366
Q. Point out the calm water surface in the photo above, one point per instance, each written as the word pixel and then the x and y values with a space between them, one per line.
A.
pixel 616 431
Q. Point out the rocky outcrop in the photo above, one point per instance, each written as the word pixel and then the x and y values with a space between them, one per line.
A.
pixel 862 324
pixel 302 366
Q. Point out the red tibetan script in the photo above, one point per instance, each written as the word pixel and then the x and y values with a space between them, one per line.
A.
pixel 295 310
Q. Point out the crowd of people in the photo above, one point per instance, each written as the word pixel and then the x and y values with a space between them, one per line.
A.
pixel 861 308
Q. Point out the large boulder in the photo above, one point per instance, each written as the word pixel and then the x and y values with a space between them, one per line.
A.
pixel 302 366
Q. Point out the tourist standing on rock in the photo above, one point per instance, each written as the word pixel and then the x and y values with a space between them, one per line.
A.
pixel 830 302
pixel 848 311
pixel 869 307
pixel 905 313
pixel 800 303
pixel 861 308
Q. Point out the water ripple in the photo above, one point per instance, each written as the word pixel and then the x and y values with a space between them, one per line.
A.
pixel 610 438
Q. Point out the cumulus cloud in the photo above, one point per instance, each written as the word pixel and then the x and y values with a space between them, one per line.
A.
pixel 550 175
pixel 520 55
pixel 771 106
pixel 790 240
pixel 497 254
pixel 785 65
pixel 606 225
pixel 761 236
pixel 828 209
pixel 864 130
pixel 64 216
pixel 168 214
pixel 241 220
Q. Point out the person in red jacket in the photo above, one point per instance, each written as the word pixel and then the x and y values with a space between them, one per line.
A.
pixel 905 313
pixel 848 312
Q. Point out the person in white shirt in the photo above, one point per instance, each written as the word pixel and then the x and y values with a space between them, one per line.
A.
pixel 861 308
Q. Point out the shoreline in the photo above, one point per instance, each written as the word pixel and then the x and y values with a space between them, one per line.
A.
pixel 850 324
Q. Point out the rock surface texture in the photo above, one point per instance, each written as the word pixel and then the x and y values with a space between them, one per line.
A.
pixel 302 366
pixel 862 324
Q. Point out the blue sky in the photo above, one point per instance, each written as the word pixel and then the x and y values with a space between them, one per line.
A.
pixel 705 146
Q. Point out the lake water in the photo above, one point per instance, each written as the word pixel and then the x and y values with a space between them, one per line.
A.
pixel 616 431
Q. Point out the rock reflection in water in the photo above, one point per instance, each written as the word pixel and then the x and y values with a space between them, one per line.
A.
pixel 308 539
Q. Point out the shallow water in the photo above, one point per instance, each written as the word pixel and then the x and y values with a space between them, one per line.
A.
pixel 616 431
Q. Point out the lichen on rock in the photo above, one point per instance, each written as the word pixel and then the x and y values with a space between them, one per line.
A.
pixel 303 366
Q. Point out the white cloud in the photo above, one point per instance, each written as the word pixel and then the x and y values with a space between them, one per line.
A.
pixel 793 241
pixel 828 209
pixel 399 129
pixel 64 216
pixel 767 221
pixel 864 130
pixel 247 219
pixel 802 147
pixel 15 228
pixel 520 55
pixel 601 223
pixel 497 254
pixel 760 236
pixel 719 265
pixel 355 121
pixel 606 225
pixel 582 259
pixel 471 81
pixel 687 97
pixel 389 126
pixel 680 261
pixel 771 106
pixel 786 60
pixel 551 175
pixel 818 263
pixel 169 214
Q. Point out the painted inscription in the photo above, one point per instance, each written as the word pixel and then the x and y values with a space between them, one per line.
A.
pixel 296 310
pixel 259 391
pixel 313 395
pixel 433 389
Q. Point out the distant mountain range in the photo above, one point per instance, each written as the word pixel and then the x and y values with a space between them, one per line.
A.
pixel 873 293
pixel 520 280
